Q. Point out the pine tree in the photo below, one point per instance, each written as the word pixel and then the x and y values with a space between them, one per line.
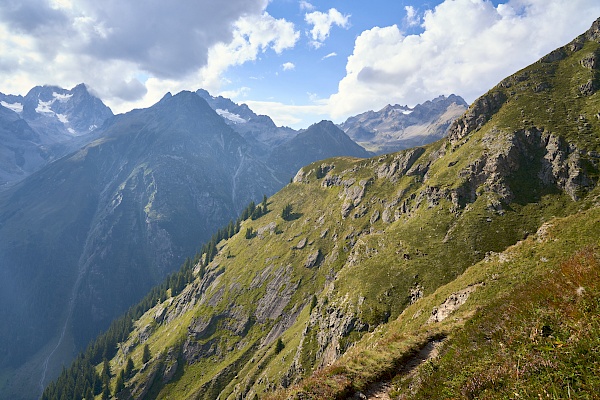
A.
pixel 120 384
pixel 129 368
pixel 146 354
pixel 105 393
pixel 230 230
pixel 105 370
pixel 279 346
pixel 313 303
pixel 257 213
pixel 286 213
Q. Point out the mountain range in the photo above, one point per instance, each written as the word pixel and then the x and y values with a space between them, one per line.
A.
pixel 465 268
pixel 96 209
pixel 47 123
pixel 397 127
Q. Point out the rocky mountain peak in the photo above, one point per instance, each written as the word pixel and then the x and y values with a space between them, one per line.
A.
pixel 397 127
pixel 593 33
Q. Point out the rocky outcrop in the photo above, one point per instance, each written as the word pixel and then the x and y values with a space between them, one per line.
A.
pixel 478 114
pixel 590 61
pixel 593 33
pixel 400 164
pixel 313 259
pixel 451 304
pixel 353 194
pixel 279 291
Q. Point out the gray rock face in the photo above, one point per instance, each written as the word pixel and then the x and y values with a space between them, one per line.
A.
pixel 451 304
pixel 590 61
pixel 477 115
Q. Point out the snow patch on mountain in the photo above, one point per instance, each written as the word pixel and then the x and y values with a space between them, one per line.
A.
pixel 62 118
pixel 62 97
pixel 43 107
pixel 16 107
pixel 230 116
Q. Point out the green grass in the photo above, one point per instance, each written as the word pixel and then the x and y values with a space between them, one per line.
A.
pixel 528 330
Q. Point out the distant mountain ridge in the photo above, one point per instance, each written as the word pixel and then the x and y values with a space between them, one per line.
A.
pixel 89 234
pixel 397 127
pixel 62 120
pixel 259 130
pixel 324 138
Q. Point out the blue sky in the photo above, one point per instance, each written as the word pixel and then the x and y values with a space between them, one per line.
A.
pixel 297 61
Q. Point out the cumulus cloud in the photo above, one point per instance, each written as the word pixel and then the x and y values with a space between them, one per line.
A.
pixel 332 54
pixel 288 66
pixel 412 17
pixel 252 35
pixel 305 5
pixel 109 44
pixel 289 115
pixel 467 47
pixel 322 24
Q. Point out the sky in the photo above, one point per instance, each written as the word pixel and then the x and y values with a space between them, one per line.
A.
pixel 298 61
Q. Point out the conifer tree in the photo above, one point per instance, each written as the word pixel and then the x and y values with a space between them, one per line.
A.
pixel 129 368
pixel 105 369
pixel 279 346
pixel 286 213
pixel 120 384
pixel 146 354
pixel 105 393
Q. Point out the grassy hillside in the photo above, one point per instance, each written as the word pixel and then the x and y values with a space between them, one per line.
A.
pixel 474 248
pixel 528 327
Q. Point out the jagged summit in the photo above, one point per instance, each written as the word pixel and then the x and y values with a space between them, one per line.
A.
pixel 259 130
pixel 397 127
pixel 63 121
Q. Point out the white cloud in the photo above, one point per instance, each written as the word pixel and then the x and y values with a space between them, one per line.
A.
pixel 288 66
pixel 295 116
pixel 252 35
pixel 110 45
pixel 236 94
pixel 332 54
pixel 467 47
pixel 305 5
pixel 412 17
pixel 322 23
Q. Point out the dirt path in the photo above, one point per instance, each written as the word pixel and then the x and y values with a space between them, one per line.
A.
pixel 381 390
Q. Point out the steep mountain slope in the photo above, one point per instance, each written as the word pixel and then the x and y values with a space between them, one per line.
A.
pixel 319 141
pixel 87 236
pixel 362 264
pixel 21 152
pixel 46 124
pixel 399 127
